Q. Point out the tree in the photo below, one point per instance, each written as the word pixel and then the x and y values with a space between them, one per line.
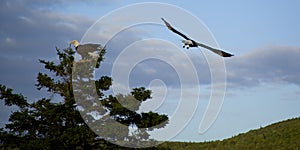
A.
pixel 45 124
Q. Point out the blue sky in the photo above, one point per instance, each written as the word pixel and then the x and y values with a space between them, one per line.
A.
pixel 262 79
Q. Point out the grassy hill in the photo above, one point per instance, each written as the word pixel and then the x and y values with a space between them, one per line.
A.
pixel 281 135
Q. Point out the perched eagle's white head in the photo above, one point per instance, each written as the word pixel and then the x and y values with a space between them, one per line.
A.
pixel 74 42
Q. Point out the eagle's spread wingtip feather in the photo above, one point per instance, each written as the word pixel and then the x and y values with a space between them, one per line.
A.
pixel 225 54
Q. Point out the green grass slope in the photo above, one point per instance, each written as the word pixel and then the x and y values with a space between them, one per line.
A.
pixel 281 135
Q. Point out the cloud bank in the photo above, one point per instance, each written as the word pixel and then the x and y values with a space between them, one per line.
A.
pixel 269 64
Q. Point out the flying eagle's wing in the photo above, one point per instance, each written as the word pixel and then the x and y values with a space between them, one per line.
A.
pixel 217 51
pixel 174 30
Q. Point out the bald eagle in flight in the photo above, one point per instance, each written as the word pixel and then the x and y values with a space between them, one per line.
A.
pixel 191 43
pixel 86 50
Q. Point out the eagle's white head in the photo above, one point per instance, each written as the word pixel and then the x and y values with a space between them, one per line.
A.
pixel 75 43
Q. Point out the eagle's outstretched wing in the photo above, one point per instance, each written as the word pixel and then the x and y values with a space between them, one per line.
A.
pixel 217 51
pixel 174 30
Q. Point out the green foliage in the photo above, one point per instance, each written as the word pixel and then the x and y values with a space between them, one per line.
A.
pixel 282 135
pixel 44 124
pixel 141 94
pixel 12 99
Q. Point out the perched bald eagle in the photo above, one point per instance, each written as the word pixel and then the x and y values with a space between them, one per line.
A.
pixel 86 50
pixel 191 43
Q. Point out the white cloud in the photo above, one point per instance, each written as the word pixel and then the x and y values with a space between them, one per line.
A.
pixel 10 41
pixel 26 20
pixel 269 64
